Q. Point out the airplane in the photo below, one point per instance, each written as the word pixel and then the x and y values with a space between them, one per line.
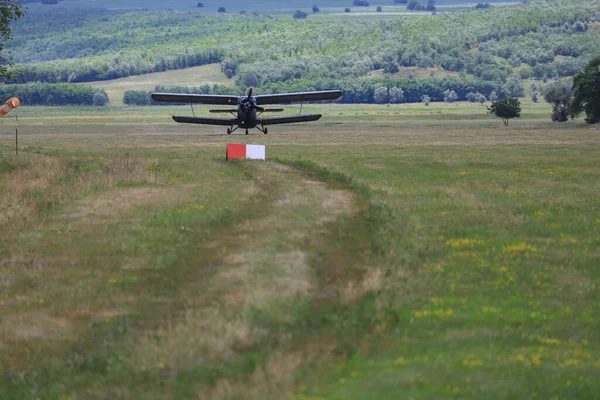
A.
pixel 247 115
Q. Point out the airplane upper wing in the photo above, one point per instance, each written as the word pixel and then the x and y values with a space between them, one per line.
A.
pixel 297 97
pixel 194 98
pixel 206 120
pixel 288 120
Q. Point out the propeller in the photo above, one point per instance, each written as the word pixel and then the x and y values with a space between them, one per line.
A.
pixel 252 105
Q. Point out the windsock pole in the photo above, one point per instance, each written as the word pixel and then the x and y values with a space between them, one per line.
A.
pixel 11 104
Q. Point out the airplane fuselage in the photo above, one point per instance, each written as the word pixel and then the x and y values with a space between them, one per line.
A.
pixel 246 112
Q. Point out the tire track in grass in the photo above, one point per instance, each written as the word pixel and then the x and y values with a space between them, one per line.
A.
pixel 290 295
pixel 278 285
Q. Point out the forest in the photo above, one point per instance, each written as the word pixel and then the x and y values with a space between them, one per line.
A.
pixel 491 48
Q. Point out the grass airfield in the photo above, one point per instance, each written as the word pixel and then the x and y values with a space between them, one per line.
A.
pixel 381 253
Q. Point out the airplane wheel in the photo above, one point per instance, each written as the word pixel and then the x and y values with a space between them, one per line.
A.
pixel 246 131
pixel 266 131
pixel 228 131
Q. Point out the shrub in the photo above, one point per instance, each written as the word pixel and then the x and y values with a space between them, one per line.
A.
pixel 299 14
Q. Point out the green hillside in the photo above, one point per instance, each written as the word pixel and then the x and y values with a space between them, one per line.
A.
pixel 207 74
pixel 531 40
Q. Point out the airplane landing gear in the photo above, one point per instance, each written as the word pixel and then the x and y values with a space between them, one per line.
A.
pixel 246 131
pixel 229 131
pixel 266 131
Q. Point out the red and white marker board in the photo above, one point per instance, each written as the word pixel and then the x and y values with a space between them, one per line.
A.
pixel 251 151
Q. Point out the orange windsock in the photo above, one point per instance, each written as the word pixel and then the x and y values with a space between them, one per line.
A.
pixel 11 104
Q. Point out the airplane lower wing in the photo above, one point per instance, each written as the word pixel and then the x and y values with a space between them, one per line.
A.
pixel 298 97
pixel 194 98
pixel 206 120
pixel 233 110
pixel 288 120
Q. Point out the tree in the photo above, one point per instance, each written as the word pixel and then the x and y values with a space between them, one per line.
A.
pixel 396 95
pixel 360 3
pixel 493 96
pixel 346 9
pixel 514 87
pixel 299 14
pixel 559 94
pixel 315 9
pixel 100 98
pixel 200 4
pixel 535 95
pixel 430 5
pixel 381 95
pixel 426 100
pixel 414 5
pixel 450 96
pixel 221 9
pixel 379 9
pixel 228 67
pixel 10 10
pixel 506 109
pixel 250 78
pixel 587 92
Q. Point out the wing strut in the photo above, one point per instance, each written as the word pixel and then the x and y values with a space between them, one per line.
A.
pixel 192 105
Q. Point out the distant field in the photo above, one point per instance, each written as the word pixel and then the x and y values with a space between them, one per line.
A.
pixel 205 74
pixel 38 119
pixel 254 5
pixel 423 251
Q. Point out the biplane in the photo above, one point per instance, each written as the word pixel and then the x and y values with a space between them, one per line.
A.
pixel 249 111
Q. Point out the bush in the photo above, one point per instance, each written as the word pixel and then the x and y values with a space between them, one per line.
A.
pixel 100 98
pixel 414 5
pixel 221 9
pixel 315 9
pixel 200 4
pixel 360 3
pixel 346 9
pixel 137 98
pixel 379 9
pixel 299 14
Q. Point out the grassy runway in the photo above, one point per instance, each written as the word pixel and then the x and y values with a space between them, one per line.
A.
pixel 380 253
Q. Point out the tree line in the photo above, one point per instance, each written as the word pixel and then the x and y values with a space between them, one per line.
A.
pixel 48 94
pixel 382 90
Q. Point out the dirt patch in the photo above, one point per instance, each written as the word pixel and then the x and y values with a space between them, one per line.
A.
pixel 34 325
pixel 337 202
pixel 118 201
